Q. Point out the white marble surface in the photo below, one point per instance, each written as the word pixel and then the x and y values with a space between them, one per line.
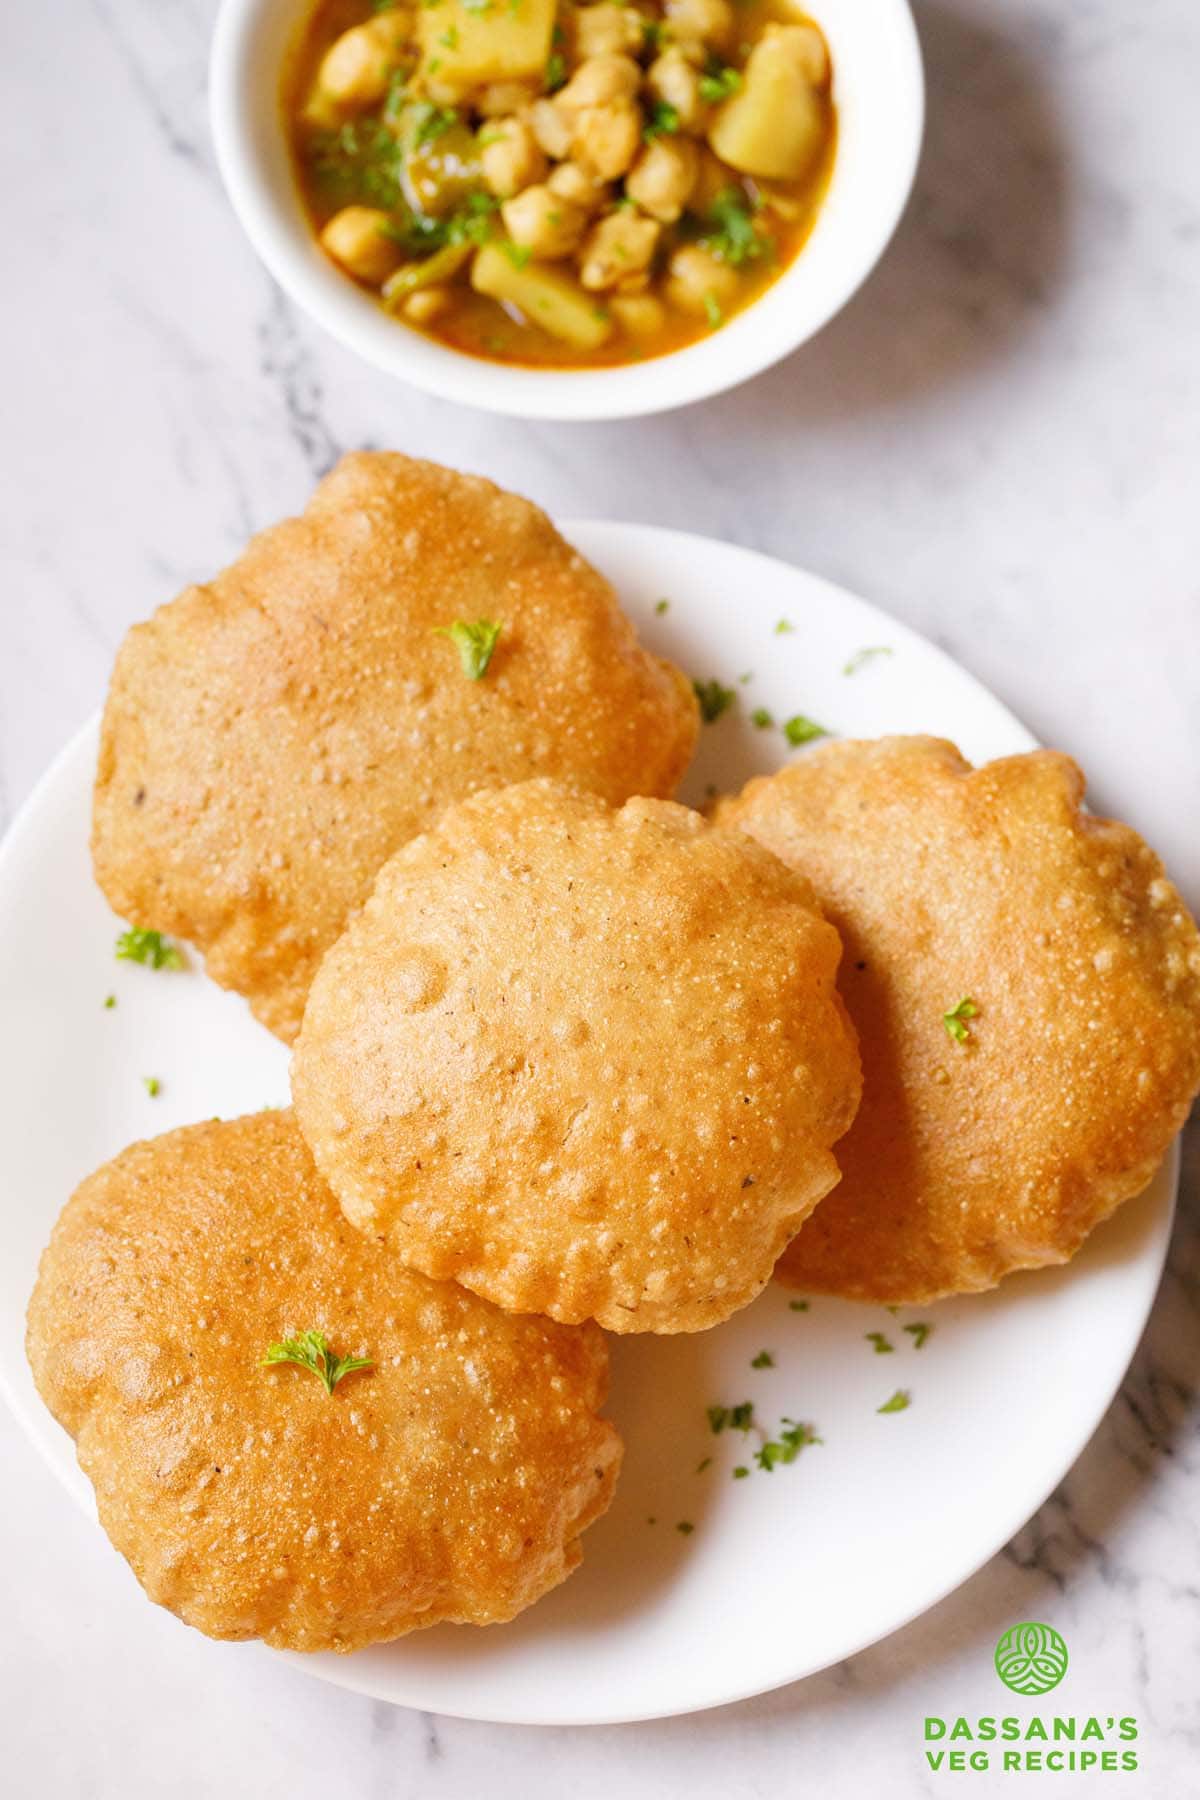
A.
pixel 998 441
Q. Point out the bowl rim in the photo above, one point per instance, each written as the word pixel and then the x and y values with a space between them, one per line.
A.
pixel 754 340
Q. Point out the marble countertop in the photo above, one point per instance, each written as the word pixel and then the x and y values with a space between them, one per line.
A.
pixel 998 441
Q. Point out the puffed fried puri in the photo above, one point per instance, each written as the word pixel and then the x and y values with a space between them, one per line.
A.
pixel 272 736
pixel 448 1480
pixel 1026 987
pixel 588 1062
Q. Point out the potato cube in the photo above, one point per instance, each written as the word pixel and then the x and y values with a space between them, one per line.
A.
pixel 546 296
pixel 478 41
pixel 775 124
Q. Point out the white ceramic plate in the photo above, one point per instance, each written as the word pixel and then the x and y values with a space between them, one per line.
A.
pixel 783 1572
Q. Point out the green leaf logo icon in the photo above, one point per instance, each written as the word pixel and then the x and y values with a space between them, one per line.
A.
pixel 1031 1658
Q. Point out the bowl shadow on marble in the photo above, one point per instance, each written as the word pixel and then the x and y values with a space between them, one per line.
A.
pixel 1076 1531
pixel 979 252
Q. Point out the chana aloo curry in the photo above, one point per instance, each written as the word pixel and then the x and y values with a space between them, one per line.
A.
pixel 567 185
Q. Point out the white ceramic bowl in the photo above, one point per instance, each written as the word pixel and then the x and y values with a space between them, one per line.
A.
pixel 879 90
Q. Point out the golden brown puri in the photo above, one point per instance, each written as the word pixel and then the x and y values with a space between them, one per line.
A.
pixel 448 1482
pixel 969 1160
pixel 587 1062
pixel 271 737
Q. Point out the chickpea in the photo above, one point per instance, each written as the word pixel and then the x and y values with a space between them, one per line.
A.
pixel 543 223
pixel 676 82
pixel 511 157
pixel 426 304
pixel 571 181
pixel 697 282
pixel 662 178
pixel 606 138
pixel 357 67
pixel 641 315
pixel 712 178
pixel 711 21
pixel 622 244
pixel 357 238
pixel 607 29
pixel 551 128
pixel 600 79
pixel 501 97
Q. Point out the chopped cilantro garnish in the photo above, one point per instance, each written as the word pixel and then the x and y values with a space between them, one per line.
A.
pixel 663 121
pixel 685 1528
pixel 555 72
pixel 472 223
pixel 899 1400
pixel 362 161
pixel 704 1463
pixel 428 122
pixel 741 1472
pixel 110 1002
pixel 719 81
pixel 475 641
pixel 882 1347
pixel 797 1305
pixel 662 606
pixel 732 237
pixel 955 1020
pixel 152 1085
pixel 761 719
pixel 714 699
pixel 764 1360
pixel 517 254
pixel 712 311
pixel 793 1438
pixel 449 38
pixel 718 1418
pixel 397 98
pixel 310 1350
pixel 783 627
pixel 862 657
pixel 799 730
pixel 149 947
pixel 741 1417
pixel 918 1334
